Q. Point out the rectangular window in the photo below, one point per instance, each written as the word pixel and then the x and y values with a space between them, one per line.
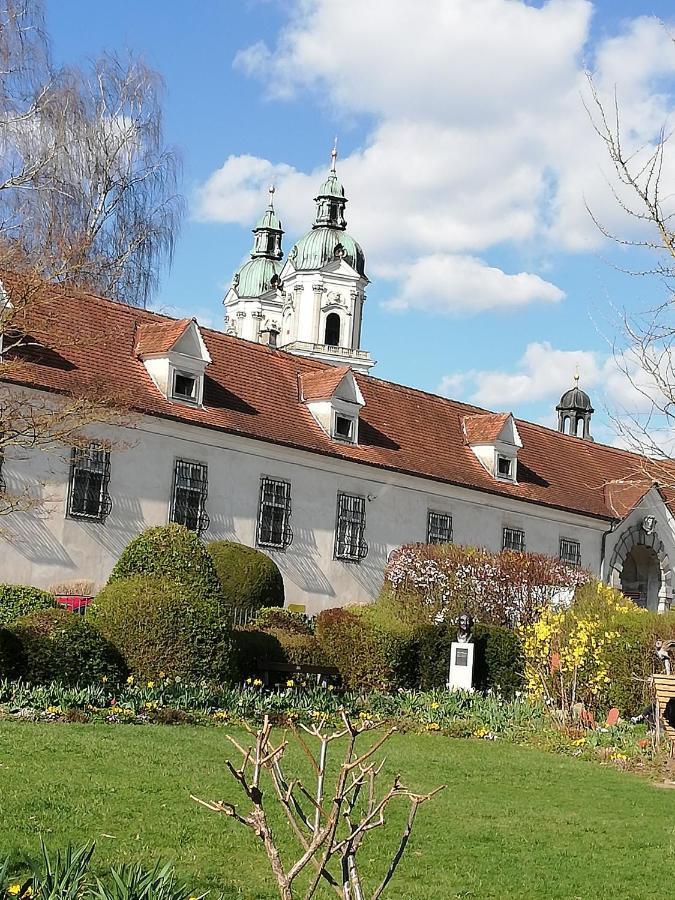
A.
pixel 89 477
pixel 274 513
pixel 184 386
pixel 344 428
pixel 570 552
pixel 439 528
pixel 350 528
pixel 190 488
pixel 513 539
pixel 504 466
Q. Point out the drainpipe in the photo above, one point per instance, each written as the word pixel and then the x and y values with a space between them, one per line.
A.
pixel 615 524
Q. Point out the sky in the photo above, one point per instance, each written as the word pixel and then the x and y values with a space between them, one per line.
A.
pixel 467 156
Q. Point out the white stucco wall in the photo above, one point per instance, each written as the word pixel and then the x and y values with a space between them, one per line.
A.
pixel 41 549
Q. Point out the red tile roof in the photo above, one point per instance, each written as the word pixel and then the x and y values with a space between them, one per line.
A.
pixel 322 385
pixel 159 337
pixel 252 390
pixel 485 428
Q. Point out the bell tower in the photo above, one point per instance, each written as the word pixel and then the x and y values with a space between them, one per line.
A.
pixel 575 411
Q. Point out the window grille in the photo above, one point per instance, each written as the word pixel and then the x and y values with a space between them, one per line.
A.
pixel 439 528
pixel 350 528
pixel 190 488
pixel 570 552
pixel 88 496
pixel 513 539
pixel 274 513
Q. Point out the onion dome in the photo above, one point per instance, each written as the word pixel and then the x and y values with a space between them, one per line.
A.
pixel 328 238
pixel 575 400
pixel 261 272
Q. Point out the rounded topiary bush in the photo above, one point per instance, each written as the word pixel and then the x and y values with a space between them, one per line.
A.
pixel 172 553
pixel 248 577
pixel 19 600
pixel 57 645
pixel 159 627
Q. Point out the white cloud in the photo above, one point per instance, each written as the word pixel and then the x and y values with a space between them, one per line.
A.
pixel 478 134
pixel 464 284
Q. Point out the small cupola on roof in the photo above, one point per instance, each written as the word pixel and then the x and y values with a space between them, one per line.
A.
pixel 575 411
pixel 175 356
pixel 335 400
pixel 495 441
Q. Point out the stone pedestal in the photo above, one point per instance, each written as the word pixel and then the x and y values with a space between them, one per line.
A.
pixel 461 667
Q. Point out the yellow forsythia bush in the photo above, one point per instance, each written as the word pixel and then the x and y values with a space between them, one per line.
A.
pixel 593 652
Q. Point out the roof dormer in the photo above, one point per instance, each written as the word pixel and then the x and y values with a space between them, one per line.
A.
pixel 335 400
pixel 495 441
pixel 175 356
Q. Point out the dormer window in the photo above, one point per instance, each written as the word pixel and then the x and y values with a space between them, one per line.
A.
pixel 505 467
pixel 334 399
pixel 175 357
pixel 184 386
pixel 343 428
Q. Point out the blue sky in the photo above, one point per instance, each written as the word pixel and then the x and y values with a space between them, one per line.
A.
pixel 465 153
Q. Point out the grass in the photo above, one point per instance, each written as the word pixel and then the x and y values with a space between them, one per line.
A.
pixel 513 821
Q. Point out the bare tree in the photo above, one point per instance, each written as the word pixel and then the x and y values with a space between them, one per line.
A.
pixel 644 349
pixel 88 190
pixel 331 821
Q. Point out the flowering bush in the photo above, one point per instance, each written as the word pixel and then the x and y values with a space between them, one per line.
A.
pixel 599 651
pixel 497 588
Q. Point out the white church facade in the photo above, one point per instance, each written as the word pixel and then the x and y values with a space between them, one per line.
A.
pixel 274 433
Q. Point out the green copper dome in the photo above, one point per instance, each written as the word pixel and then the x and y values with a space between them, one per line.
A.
pixel 332 187
pixel 255 276
pixel 269 220
pixel 322 244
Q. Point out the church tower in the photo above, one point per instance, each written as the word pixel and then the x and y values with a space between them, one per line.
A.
pixel 575 411
pixel 254 302
pixel 324 282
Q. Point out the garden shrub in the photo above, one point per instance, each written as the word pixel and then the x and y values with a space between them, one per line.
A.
pixel 599 651
pixel 175 554
pixel 496 588
pixel 160 627
pixel 367 654
pixel 284 620
pixel 56 645
pixel 10 654
pixel 249 579
pixel 19 600
pixel 498 658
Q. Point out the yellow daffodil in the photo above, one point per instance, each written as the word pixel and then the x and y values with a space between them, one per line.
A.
pixel 151 684
pixel 130 679
pixel 14 889
pixel 290 683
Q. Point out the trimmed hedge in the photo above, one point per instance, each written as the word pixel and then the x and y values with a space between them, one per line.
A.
pixel 172 553
pixel 159 626
pixel 249 579
pixel 257 649
pixel 19 600
pixel 56 645
pixel 10 654
pixel 283 619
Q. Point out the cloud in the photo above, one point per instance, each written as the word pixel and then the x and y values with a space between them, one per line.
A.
pixel 477 134
pixel 465 284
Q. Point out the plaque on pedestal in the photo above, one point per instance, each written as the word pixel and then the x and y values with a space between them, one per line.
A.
pixel 461 667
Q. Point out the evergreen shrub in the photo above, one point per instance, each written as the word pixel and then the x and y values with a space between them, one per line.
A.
pixel 160 627
pixel 283 620
pixel 172 553
pixel 248 578
pixel 10 654
pixel 57 645
pixel 19 600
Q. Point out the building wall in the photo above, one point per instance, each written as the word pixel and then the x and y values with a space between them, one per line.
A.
pixel 43 548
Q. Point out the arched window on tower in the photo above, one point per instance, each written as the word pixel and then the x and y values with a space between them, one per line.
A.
pixel 332 335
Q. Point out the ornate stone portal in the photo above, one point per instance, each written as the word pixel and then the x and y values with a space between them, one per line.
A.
pixel 640 566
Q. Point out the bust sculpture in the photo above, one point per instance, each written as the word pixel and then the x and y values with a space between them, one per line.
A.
pixel 464 626
pixel 663 652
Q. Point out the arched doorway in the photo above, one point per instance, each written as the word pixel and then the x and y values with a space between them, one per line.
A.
pixel 332 333
pixel 641 577
pixel 640 567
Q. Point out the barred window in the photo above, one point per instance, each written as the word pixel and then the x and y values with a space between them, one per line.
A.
pixel 88 496
pixel 513 539
pixel 570 552
pixel 190 488
pixel 274 513
pixel 439 528
pixel 350 528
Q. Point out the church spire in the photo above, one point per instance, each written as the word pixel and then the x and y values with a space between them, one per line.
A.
pixel 331 201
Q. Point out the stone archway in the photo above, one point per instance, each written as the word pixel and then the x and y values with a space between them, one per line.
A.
pixel 638 559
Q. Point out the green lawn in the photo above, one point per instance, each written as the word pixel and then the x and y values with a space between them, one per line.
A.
pixel 513 822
